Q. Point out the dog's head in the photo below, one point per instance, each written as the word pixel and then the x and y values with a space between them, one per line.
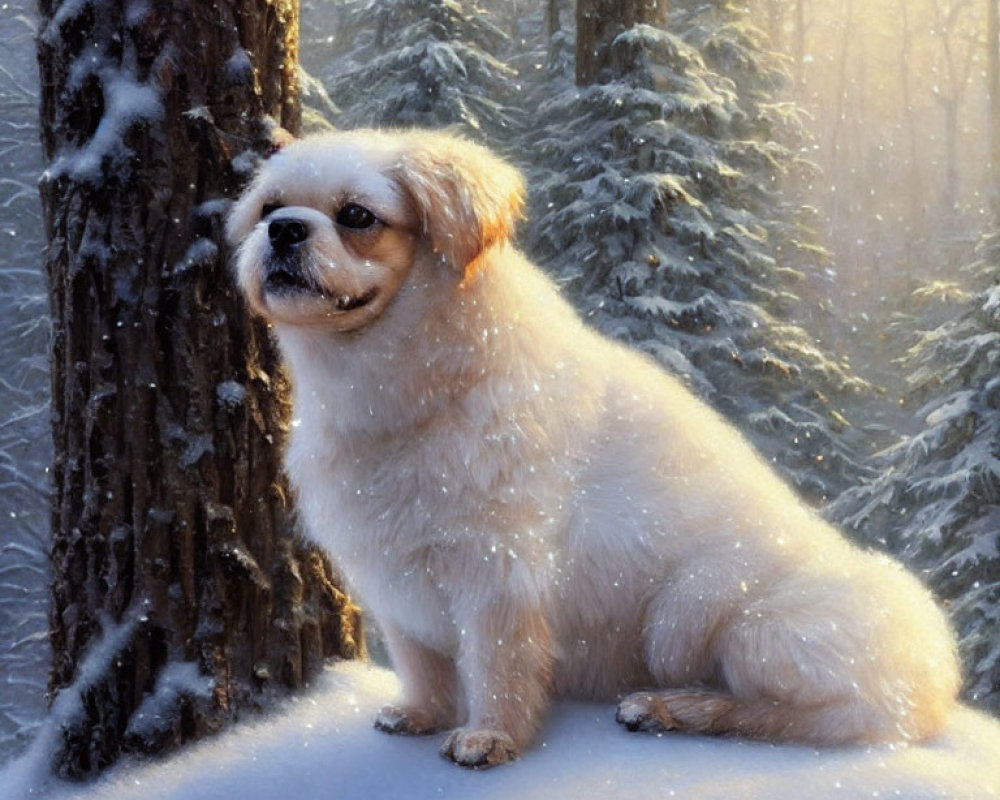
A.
pixel 331 226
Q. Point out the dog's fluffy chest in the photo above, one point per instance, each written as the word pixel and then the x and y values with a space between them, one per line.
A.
pixel 422 488
pixel 405 513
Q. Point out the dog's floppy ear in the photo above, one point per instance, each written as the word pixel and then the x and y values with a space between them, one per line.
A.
pixel 278 138
pixel 467 199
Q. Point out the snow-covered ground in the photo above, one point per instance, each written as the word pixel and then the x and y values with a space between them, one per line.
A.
pixel 322 745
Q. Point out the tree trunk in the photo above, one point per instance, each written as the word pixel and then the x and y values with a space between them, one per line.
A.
pixel 837 126
pixel 799 37
pixel 916 199
pixel 993 90
pixel 958 60
pixel 172 542
pixel 951 133
pixel 598 22
pixel 775 23
pixel 552 24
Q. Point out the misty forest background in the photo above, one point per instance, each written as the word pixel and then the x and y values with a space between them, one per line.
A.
pixel 790 203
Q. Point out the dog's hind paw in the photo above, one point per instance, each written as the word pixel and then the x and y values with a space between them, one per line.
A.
pixel 479 749
pixel 405 721
pixel 689 710
pixel 642 711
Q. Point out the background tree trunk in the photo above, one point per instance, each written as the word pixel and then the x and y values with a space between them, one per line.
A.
pixel 172 541
pixel 598 22
pixel 799 43
pixel 993 92
pixel 775 15
pixel 915 198
pixel 552 24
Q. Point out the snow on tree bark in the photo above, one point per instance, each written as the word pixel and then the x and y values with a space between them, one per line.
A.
pixel 169 508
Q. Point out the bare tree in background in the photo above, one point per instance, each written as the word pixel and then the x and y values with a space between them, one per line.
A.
pixel 842 84
pixel 993 93
pixel 957 60
pixel 800 28
pixel 915 197
pixel 774 15
pixel 598 22
pixel 552 23
pixel 179 594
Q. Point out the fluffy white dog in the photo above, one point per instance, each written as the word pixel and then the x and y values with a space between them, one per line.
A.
pixel 531 510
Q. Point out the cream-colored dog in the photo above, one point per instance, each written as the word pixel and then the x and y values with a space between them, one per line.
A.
pixel 531 510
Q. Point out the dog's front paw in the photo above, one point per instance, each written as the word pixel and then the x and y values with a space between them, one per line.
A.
pixel 479 749
pixel 644 711
pixel 406 721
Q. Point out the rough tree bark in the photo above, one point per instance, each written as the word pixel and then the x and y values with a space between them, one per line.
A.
pixel 598 22
pixel 171 531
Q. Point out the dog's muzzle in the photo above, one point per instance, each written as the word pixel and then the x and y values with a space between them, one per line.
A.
pixel 285 234
pixel 283 269
pixel 284 273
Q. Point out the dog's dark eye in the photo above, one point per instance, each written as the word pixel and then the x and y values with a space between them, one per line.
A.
pixel 354 216
pixel 268 209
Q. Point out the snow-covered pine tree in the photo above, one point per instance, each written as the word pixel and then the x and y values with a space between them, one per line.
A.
pixel 426 63
pixel 658 203
pixel 936 500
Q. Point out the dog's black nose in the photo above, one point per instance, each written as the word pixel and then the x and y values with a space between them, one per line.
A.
pixel 285 233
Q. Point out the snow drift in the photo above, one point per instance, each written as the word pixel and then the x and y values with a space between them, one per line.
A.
pixel 322 745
